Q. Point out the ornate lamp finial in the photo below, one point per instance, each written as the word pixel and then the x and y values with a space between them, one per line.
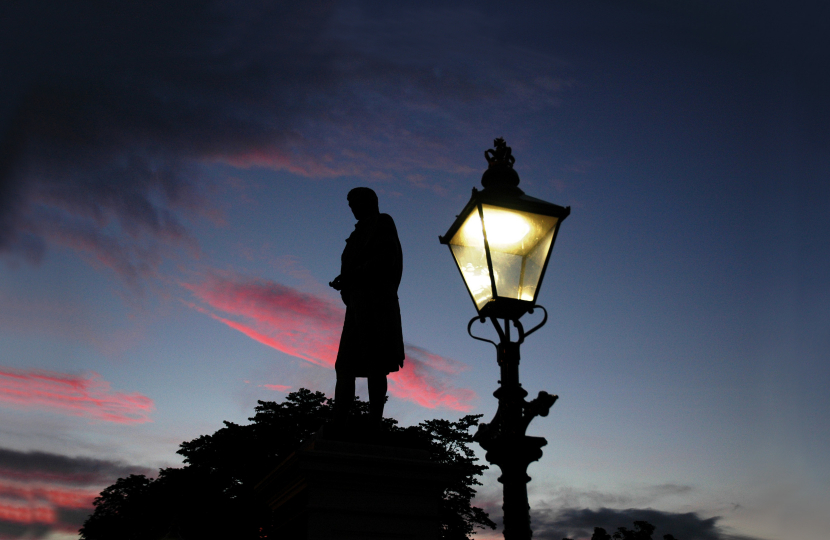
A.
pixel 502 155
pixel 500 173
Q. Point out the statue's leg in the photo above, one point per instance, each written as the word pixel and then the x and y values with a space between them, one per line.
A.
pixel 377 398
pixel 343 397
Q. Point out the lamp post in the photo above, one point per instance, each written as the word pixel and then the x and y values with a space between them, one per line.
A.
pixel 501 242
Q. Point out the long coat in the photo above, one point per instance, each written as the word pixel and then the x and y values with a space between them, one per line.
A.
pixel 371 268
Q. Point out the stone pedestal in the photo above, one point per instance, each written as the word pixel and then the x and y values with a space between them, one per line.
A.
pixel 333 490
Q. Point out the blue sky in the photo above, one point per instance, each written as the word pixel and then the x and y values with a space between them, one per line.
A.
pixel 172 202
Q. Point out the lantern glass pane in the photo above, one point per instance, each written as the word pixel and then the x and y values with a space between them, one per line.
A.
pixel 467 247
pixel 519 244
pixel 534 264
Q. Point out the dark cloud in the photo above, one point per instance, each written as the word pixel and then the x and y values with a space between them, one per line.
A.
pixel 57 468
pixel 570 513
pixel 111 107
pixel 71 519
pixel 9 529
pixel 671 489
pixel 108 111
pixel 580 523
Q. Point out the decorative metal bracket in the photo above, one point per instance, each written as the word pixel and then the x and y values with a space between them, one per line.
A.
pixel 470 331
pixel 503 337
pixel 541 324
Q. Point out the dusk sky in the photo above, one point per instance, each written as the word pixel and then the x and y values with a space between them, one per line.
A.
pixel 173 180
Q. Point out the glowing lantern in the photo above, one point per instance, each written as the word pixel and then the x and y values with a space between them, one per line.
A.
pixel 503 239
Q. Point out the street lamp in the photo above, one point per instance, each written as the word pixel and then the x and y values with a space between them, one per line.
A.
pixel 501 242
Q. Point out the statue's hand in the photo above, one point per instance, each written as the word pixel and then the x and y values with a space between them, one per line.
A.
pixel 336 283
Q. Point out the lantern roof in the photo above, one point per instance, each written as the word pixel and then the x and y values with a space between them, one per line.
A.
pixel 501 188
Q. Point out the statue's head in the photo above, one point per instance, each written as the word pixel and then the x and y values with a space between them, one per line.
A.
pixel 364 202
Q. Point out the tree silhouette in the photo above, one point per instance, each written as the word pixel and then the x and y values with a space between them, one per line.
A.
pixel 642 531
pixel 212 495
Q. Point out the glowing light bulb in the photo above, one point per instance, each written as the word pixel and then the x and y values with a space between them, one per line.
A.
pixel 504 228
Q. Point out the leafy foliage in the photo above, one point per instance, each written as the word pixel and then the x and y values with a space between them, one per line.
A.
pixel 449 445
pixel 212 495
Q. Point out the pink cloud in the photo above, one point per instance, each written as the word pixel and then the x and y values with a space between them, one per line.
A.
pixel 277 387
pixel 419 382
pixel 78 395
pixel 24 512
pixel 41 494
pixel 295 323
pixel 308 326
pixel 434 361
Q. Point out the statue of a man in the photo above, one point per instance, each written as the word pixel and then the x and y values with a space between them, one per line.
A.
pixel 372 341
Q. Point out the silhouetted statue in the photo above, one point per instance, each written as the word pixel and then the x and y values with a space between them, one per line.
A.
pixel 372 341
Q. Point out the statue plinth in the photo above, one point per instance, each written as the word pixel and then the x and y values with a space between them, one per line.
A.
pixel 329 490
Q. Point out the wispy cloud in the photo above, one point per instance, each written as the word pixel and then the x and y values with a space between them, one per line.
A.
pixel 308 327
pixel 57 496
pixel 277 387
pixel 103 131
pixel 42 492
pixel 27 513
pixel 296 323
pixel 88 396
pixel 421 381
